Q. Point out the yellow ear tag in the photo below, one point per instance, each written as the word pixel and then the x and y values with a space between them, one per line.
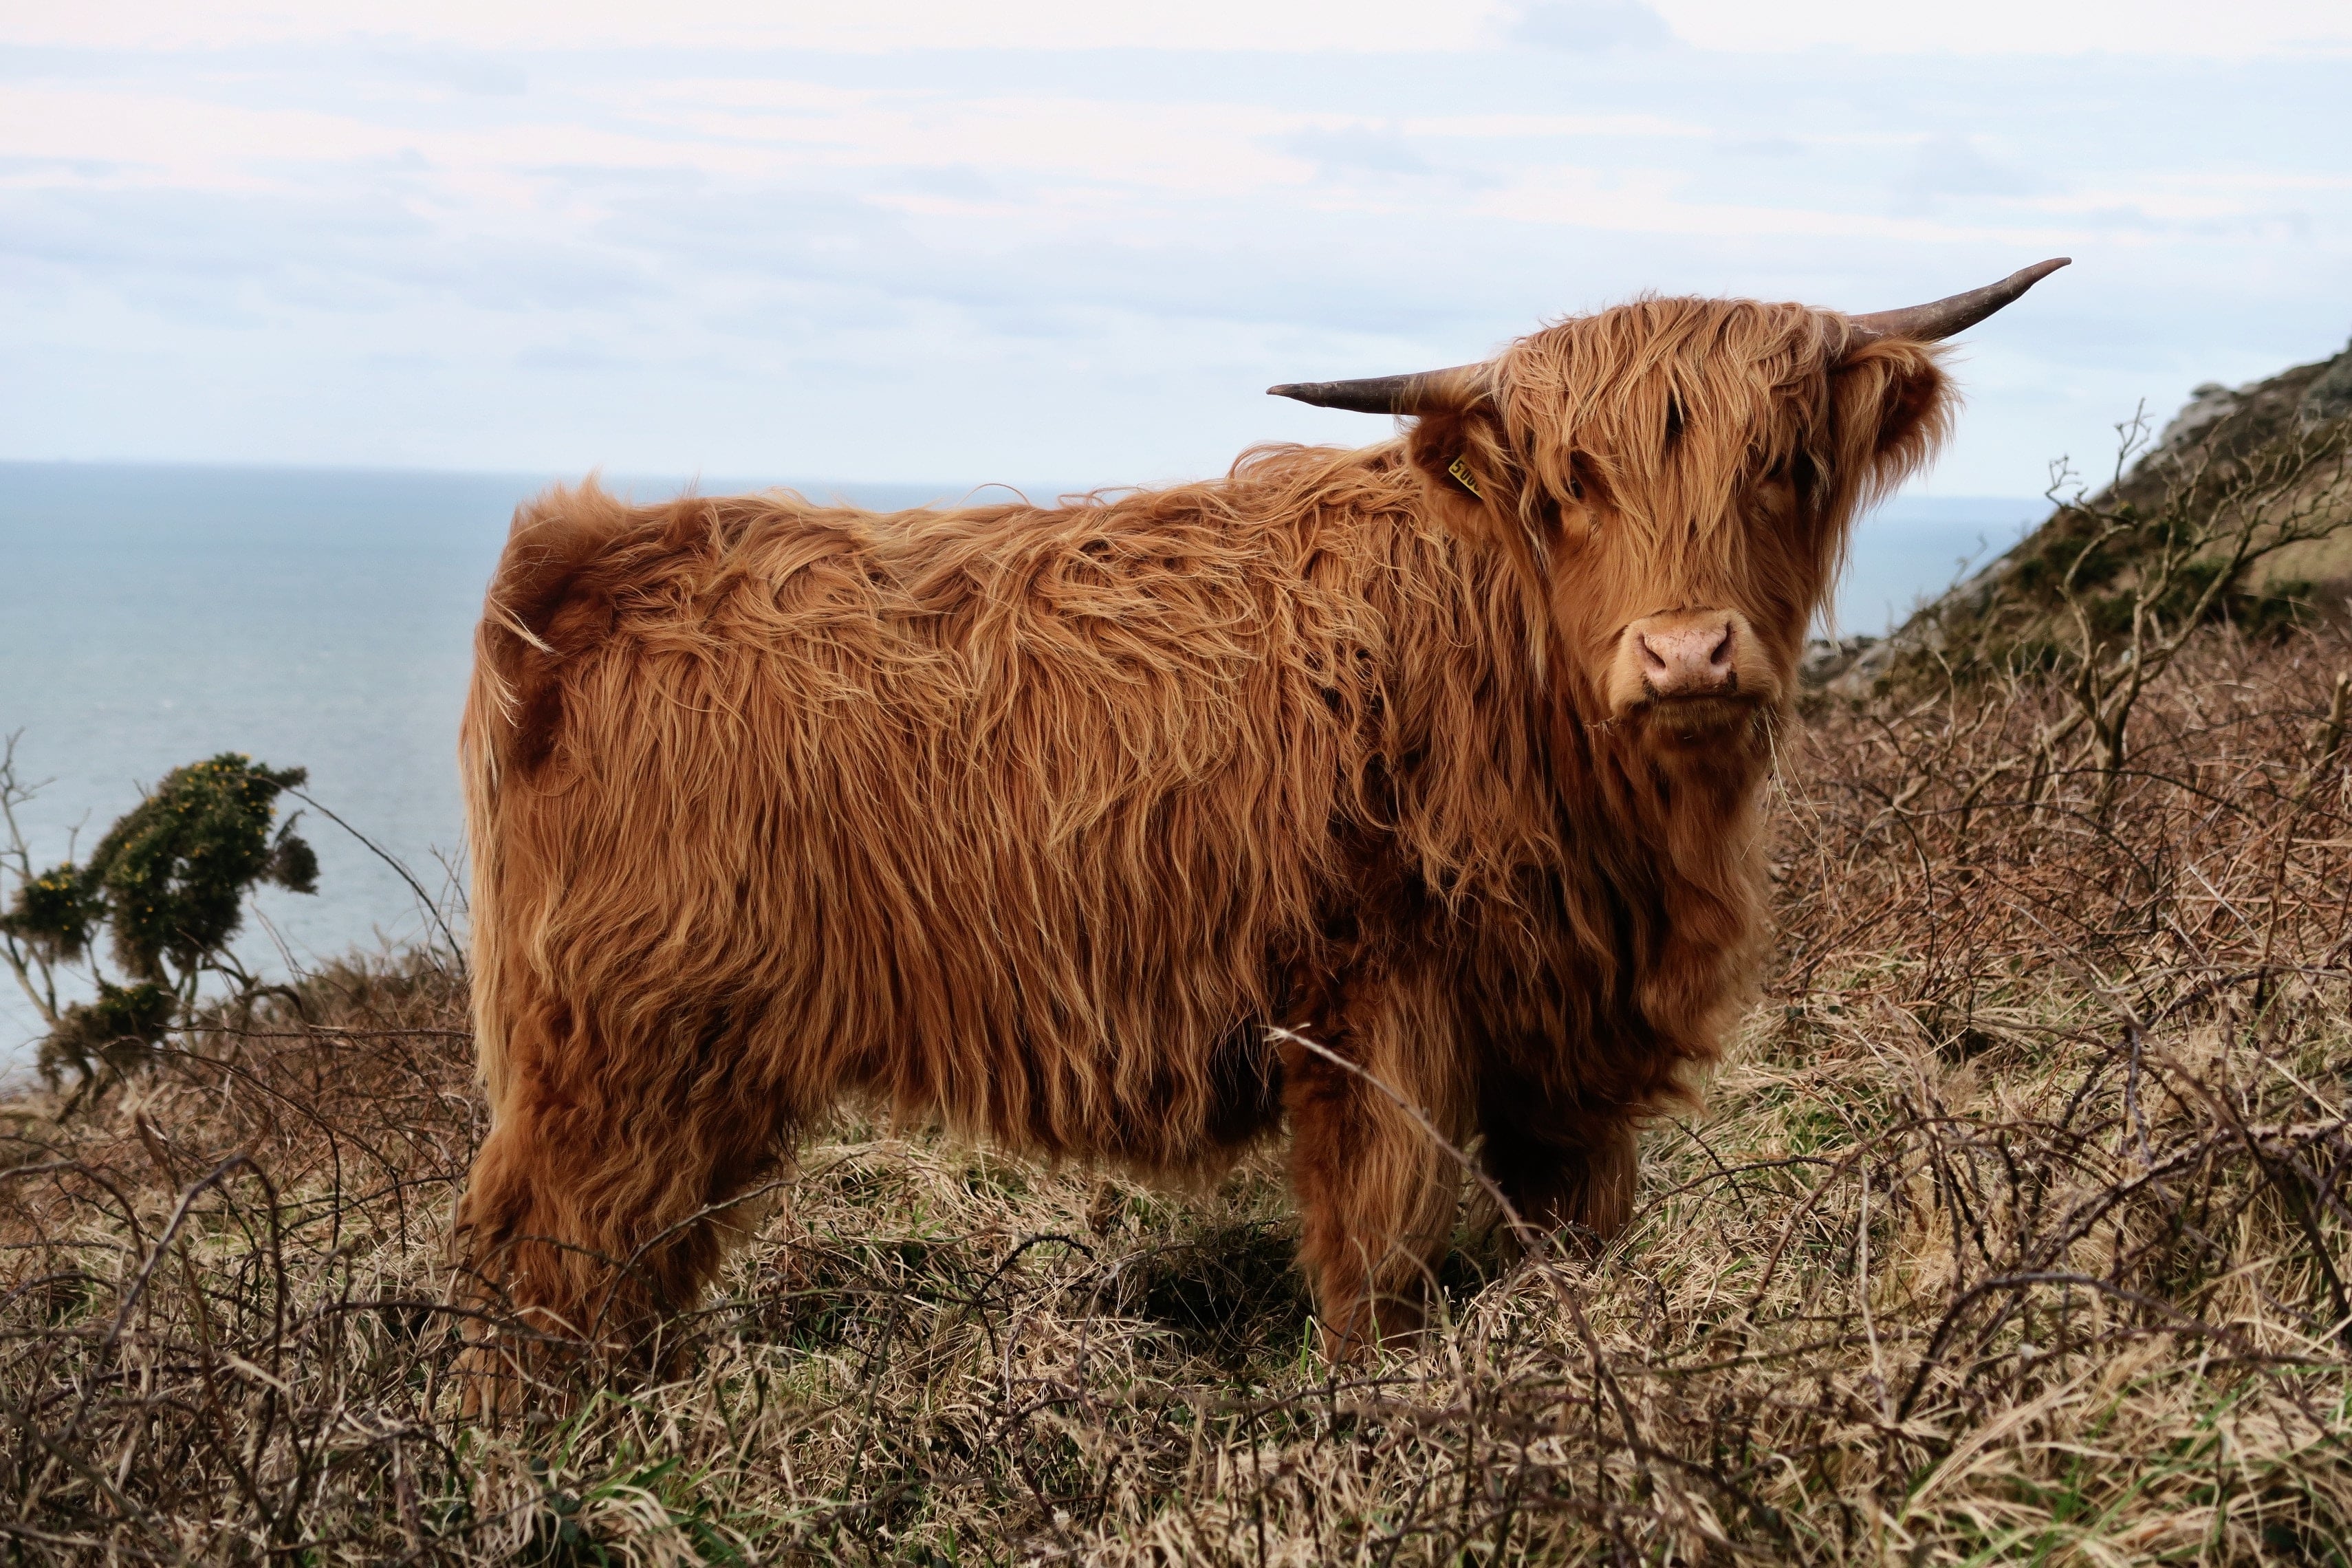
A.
pixel 1461 472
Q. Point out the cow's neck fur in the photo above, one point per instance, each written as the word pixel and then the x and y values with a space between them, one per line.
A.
pixel 1678 836
pixel 1661 846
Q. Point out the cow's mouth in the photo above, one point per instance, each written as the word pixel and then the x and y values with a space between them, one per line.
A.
pixel 1697 717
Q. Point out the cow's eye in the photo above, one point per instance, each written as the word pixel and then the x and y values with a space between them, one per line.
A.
pixel 1583 483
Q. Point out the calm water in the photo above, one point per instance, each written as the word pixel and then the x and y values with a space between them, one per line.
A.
pixel 150 617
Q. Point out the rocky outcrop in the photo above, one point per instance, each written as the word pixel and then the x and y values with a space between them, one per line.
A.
pixel 2329 396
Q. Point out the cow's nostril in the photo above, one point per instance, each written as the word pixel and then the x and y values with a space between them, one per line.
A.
pixel 1650 657
pixel 1720 657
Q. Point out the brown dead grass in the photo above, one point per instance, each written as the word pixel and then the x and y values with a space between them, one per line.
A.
pixel 2017 1230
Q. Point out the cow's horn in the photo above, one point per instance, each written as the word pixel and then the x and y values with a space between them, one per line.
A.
pixel 1926 323
pixel 1416 394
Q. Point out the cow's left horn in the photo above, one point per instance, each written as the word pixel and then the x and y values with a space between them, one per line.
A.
pixel 1419 393
pixel 1927 323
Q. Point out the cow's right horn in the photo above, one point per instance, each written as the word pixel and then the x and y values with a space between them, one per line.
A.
pixel 1419 393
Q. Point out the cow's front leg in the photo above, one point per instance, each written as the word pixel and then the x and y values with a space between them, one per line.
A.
pixel 599 1203
pixel 1376 1190
pixel 1560 1167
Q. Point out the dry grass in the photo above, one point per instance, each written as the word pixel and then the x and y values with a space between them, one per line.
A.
pixel 2017 1229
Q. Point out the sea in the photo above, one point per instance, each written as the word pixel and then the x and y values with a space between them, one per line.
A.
pixel 153 615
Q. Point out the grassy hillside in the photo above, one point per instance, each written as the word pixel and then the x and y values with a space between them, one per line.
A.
pixel 2015 1229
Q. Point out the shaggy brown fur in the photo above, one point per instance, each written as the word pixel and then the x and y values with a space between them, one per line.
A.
pixel 1031 821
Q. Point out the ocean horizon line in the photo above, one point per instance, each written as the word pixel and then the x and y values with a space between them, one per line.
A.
pixel 1908 498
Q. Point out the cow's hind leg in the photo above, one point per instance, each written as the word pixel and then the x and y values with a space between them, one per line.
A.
pixel 604 1197
pixel 1377 1190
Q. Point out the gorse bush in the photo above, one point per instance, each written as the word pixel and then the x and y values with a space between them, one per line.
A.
pixel 168 884
pixel 171 876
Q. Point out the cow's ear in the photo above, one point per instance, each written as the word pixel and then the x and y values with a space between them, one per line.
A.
pixel 1466 465
pixel 1895 407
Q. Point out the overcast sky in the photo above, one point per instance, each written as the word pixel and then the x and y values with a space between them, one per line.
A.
pixel 1074 240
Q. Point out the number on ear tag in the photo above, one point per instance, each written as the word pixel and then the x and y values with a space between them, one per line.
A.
pixel 1461 472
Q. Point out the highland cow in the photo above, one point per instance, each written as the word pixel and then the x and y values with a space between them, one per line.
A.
pixel 1054 825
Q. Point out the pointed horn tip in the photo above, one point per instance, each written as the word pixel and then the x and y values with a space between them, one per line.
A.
pixel 1373 394
pixel 1316 393
pixel 1940 318
pixel 1417 393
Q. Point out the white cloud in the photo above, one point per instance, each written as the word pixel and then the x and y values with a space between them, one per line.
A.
pixel 2199 29
pixel 1653 201
pixel 2192 27
pixel 1590 26
pixel 1318 26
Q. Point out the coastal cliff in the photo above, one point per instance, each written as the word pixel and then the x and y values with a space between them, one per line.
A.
pixel 2284 435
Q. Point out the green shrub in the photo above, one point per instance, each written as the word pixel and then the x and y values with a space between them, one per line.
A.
pixel 168 883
